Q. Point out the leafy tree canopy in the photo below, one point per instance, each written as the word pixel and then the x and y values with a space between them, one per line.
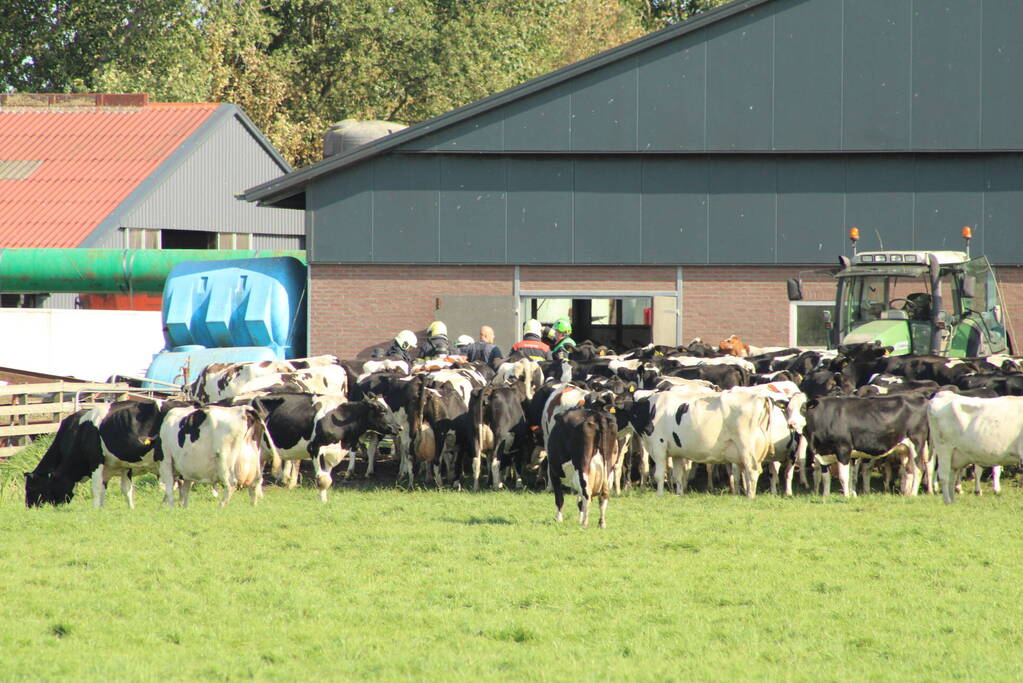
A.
pixel 296 66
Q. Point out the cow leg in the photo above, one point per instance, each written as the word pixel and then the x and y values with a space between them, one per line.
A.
pixel 323 479
pixel 225 497
pixel 644 465
pixel 774 470
pixel 996 479
pixel 436 475
pixel 559 493
pixel 977 471
pixel 476 463
pixel 128 489
pixel 824 477
pixel 256 489
pixel 943 455
pixel 167 479
pixel 603 508
pixel 801 463
pixel 843 478
pixel 790 470
pixel 584 504
pixel 737 477
pixel 866 466
pixel 99 487
pixel 495 467
pixel 930 464
pixel 186 487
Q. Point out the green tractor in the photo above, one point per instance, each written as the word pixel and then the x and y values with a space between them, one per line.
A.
pixel 918 302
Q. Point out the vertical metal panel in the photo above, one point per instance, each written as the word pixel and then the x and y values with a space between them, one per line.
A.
pixel 604 108
pixel 742 210
pixel 200 194
pixel 949 195
pixel 811 210
pixel 539 122
pixel 278 242
pixel 607 211
pixel 946 64
pixel 1002 56
pixel 405 209
pixel 472 209
pixel 674 212
pixel 540 210
pixel 876 47
pixel 341 213
pixel 740 82
pixel 808 75
pixel 879 201
pixel 483 132
pixel 1003 208
pixel 672 96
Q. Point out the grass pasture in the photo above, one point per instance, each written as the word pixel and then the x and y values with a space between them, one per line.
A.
pixel 381 583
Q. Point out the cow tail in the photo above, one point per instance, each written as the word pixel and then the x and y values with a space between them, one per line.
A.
pixel 766 424
pixel 268 445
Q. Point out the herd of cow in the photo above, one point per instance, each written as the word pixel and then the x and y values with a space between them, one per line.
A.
pixel 587 422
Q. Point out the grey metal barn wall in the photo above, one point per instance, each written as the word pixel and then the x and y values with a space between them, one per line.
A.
pixel 688 210
pixel 222 163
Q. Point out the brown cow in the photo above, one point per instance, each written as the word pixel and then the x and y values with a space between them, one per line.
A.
pixel 734 346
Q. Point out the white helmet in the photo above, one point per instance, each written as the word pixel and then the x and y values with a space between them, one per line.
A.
pixel 463 340
pixel 437 329
pixel 405 339
pixel 532 326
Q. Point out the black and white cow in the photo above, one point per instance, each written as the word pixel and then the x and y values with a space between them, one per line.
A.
pixel 102 442
pixel 222 445
pixel 840 428
pixel 307 426
pixel 499 429
pixel 582 453
pixel 438 433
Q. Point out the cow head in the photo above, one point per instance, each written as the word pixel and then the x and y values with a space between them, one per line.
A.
pixel 379 417
pixel 45 489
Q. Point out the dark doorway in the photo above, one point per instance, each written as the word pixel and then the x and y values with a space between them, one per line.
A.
pixel 620 323
pixel 188 239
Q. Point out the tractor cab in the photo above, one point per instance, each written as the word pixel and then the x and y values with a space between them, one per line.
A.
pixel 918 302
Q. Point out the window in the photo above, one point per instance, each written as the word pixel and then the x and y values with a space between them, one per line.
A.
pixel 141 238
pixel 806 323
pixel 234 240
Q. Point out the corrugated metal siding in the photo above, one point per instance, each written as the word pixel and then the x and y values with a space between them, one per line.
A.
pixel 789 75
pixel 200 194
pixel 778 209
pixel 278 242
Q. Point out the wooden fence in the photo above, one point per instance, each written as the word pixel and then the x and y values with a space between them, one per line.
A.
pixel 28 410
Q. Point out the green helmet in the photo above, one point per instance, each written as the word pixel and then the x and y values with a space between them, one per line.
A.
pixel 563 325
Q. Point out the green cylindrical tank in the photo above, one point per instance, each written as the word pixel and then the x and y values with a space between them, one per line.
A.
pixel 123 271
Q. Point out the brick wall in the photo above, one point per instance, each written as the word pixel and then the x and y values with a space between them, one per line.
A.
pixel 354 307
pixel 1010 279
pixel 750 301
pixel 597 278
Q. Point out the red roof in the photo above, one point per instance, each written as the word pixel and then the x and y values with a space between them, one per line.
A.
pixel 91 160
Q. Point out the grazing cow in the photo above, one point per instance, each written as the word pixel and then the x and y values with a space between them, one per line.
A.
pixel 499 429
pixel 221 445
pixel 583 452
pixel 839 429
pixel 307 426
pixel 438 433
pixel 984 432
pixel 101 442
pixel 734 346
pixel 727 428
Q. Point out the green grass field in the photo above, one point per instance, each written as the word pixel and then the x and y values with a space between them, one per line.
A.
pixel 381 583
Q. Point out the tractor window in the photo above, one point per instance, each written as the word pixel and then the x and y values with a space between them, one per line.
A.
pixel 867 298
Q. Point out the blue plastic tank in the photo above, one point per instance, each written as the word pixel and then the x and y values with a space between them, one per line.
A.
pixel 231 311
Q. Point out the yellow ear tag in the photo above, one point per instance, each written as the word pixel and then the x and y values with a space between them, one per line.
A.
pixel 612 411
pixel 632 387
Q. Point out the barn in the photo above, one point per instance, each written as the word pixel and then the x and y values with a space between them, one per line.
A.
pixel 667 188
pixel 116 171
